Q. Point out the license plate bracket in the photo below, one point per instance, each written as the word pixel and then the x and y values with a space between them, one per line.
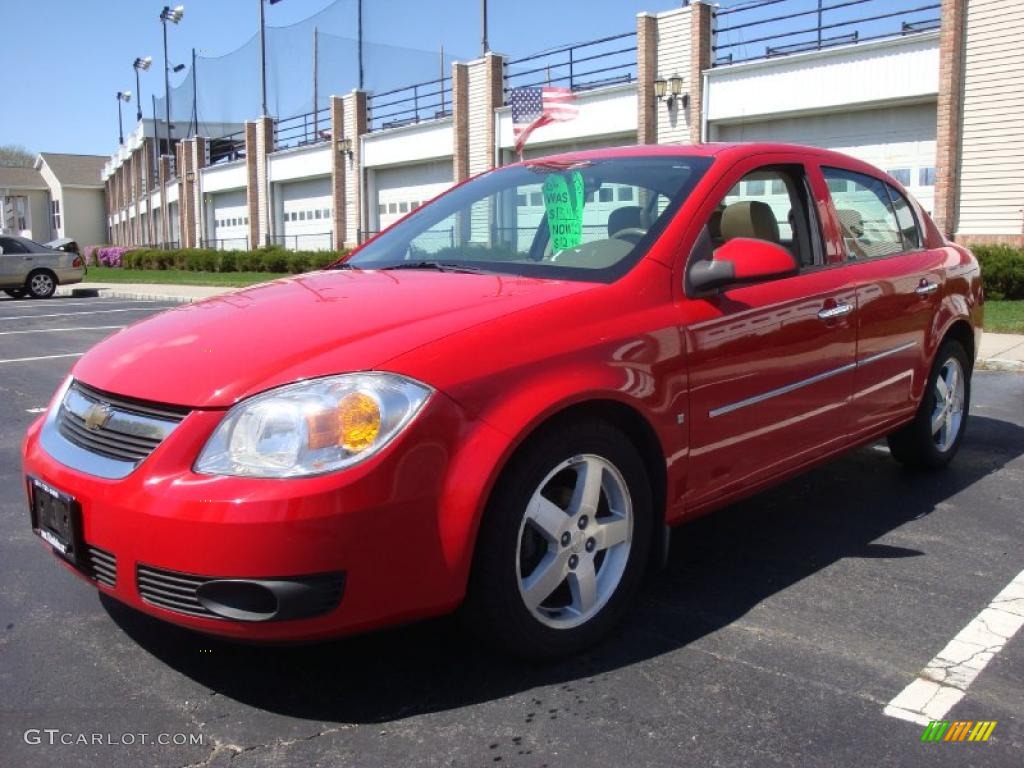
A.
pixel 56 519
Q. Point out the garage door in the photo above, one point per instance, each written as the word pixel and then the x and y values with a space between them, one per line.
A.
pixel 400 190
pixel 304 215
pixel 230 218
pixel 899 140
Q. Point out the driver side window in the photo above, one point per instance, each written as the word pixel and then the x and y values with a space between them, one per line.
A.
pixel 770 204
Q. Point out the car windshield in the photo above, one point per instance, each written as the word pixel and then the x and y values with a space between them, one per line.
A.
pixel 588 220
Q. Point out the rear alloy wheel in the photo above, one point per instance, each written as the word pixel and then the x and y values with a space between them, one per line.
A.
pixel 932 439
pixel 563 543
pixel 41 284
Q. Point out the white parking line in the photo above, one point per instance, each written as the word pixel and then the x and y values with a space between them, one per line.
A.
pixel 92 303
pixel 41 357
pixel 75 314
pixel 945 679
pixel 55 330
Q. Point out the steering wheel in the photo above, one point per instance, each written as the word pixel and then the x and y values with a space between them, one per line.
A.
pixel 628 233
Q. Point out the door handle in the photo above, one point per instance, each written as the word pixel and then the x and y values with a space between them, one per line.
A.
pixel 839 310
pixel 926 287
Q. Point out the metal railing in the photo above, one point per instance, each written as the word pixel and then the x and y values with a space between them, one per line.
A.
pixel 303 130
pixel 312 241
pixel 227 148
pixel 226 243
pixel 593 64
pixel 795 26
pixel 410 104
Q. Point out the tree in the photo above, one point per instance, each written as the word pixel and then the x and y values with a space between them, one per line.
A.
pixel 15 156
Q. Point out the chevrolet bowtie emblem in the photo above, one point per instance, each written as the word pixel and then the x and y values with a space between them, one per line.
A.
pixel 97 416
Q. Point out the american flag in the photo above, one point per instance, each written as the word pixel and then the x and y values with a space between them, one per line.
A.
pixel 539 105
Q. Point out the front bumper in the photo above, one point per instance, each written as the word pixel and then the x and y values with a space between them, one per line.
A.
pixel 396 528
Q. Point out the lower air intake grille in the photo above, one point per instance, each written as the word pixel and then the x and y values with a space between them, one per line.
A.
pixel 241 599
pixel 171 590
pixel 100 566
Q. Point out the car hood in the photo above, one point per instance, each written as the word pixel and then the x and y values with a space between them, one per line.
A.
pixel 220 350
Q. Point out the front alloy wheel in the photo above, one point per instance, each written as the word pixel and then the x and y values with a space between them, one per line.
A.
pixel 574 541
pixel 563 543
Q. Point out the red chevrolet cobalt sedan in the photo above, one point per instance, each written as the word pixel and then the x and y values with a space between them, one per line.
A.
pixel 503 401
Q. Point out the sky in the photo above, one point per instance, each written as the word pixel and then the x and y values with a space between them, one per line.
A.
pixel 63 61
pixel 71 57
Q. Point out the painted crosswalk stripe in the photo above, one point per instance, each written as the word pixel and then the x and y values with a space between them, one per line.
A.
pixel 945 679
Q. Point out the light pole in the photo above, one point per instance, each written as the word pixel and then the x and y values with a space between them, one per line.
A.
pixel 121 96
pixel 142 63
pixel 173 15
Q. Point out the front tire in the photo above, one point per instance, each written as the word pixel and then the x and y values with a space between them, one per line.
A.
pixel 932 439
pixel 41 284
pixel 563 543
pixel 15 293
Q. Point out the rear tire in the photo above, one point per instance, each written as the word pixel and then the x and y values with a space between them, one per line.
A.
pixel 41 284
pixel 932 439
pixel 563 544
pixel 15 293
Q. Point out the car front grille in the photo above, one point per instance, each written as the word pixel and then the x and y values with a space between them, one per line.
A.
pixel 171 590
pixel 113 426
pixel 100 566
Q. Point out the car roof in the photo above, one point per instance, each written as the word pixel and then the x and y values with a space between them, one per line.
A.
pixel 732 150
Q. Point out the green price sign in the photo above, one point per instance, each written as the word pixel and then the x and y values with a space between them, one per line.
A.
pixel 563 201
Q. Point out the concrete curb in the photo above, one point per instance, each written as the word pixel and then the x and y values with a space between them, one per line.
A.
pixel 113 293
pixel 996 364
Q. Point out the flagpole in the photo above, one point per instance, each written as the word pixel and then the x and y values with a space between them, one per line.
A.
pixel 483 21
pixel 263 59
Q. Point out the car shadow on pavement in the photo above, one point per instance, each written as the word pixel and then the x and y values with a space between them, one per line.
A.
pixel 720 567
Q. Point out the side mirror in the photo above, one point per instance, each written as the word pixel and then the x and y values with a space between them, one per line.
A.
pixel 742 261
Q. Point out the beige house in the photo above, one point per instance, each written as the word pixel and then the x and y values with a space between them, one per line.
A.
pixel 24 204
pixel 60 196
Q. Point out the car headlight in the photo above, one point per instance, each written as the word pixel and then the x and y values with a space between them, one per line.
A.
pixel 312 427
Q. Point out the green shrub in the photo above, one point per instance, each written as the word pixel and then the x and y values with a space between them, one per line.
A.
pixel 1002 271
pixel 228 261
pixel 275 260
pixel 298 262
pixel 320 259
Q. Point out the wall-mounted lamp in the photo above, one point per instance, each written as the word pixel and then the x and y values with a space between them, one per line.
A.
pixel 345 146
pixel 190 177
pixel 672 89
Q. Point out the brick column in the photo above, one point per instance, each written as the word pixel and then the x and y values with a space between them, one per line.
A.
pixel 460 122
pixel 186 195
pixel 646 73
pixel 485 92
pixel 264 146
pixel 140 236
pixel 198 149
pixel 339 165
pixel 949 113
pixel 252 192
pixel 700 59
pixel 354 126
pixel 682 49
pixel 164 175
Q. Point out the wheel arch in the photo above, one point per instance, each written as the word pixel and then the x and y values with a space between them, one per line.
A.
pixel 625 417
pixel 962 331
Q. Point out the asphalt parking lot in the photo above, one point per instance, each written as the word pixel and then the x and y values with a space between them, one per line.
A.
pixel 778 634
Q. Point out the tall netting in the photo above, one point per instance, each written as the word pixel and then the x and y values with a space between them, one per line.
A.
pixel 221 92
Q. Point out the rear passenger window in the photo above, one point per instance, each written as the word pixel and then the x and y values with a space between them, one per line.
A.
pixel 905 218
pixel 866 216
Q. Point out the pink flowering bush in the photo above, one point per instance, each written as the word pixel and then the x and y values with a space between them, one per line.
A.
pixel 110 256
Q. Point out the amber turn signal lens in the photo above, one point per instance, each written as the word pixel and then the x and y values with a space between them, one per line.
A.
pixel 359 419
